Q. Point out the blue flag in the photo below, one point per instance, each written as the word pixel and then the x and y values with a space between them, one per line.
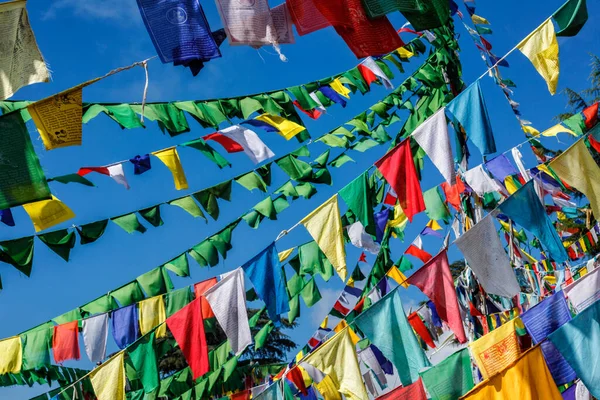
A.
pixel 141 164
pixel 124 323
pixel 266 275
pixel 524 207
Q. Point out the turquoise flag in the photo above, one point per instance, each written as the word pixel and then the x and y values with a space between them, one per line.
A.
pixel 386 326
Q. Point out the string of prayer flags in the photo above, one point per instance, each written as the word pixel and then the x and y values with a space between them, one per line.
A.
pixel 584 291
pixel 469 109
pixel 108 380
pixel 416 250
pixel 22 63
pixel 451 378
pixel 65 342
pixel 434 279
pixel 325 226
pixel 170 158
pixel 286 128
pixel 541 47
pixel 571 17
pixel 114 171
pixel 497 350
pixel 527 378
pixel 398 343
pixel 432 136
pixel 266 275
pixel 125 325
pixel 95 333
pixel 11 354
pixel 251 144
pixel 228 301
pixel 398 169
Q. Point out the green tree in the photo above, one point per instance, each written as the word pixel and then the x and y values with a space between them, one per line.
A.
pixel 577 101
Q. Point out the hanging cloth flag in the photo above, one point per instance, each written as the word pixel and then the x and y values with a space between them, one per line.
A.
pixel 180 32
pixel 187 327
pixel 556 129
pixel 571 17
pixel 306 17
pixel 108 380
pixel 516 383
pixel 419 327
pixel 170 158
pixel 11 352
pixel 58 119
pixel 230 145
pixel 398 276
pixel 370 64
pixel 266 275
pixel 36 345
pixel 228 302
pixel 381 221
pixel 114 171
pixel 325 226
pixel 469 109
pixel 540 321
pixel 500 167
pixel 485 255
pixel 141 164
pixel 451 378
pixel 358 198
pixel 251 144
pixel 416 250
pixel 337 359
pixel 65 342
pixel 22 63
pixel 95 333
pixel 398 169
pixel 142 356
pixel 45 214
pixel 125 327
pixel 199 289
pixel 151 314
pixel 478 179
pixel 435 281
pixel 591 115
pixel 453 193
pixel 584 291
pixel 286 128
pixel 332 95
pixel 577 168
pixel 541 47
pixel 432 136
pixel 361 239
pixel 315 113
pixel 498 349
pixel 397 342
pixel 339 88
pixel 414 391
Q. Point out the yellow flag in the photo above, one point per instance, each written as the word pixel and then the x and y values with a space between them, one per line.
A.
pixel 510 184
pixel 350 282
pixel 11 355
pixel 578 169
pixel 583 271
pixel 342 90
pixel 433 224
pixel 541 47
pixel 58 119
pixel 46 213
pixel 108 380
pixel 305 376
pixel 170 158
pixel 583 246
pixel 152 313
pixel 325 322
pixel 342 325
pixel 496 350
pixel 400 220
pixel 288 129
pixel 299 356
pixel 283 255
pixel 530 130
pixel 477 20
pixel 404 53
pixel 527 379
pixel 328 389
pixel 398 276
pixel 337 359
pixel 325 226
pixel 556 129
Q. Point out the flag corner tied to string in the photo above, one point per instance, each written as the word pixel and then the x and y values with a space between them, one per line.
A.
pixel 541 47
pixel 325 226
pixel 265 272
pixel 108 380
pixel 571 17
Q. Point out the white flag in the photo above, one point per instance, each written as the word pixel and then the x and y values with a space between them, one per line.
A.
pixel 361 239
pixel 432 136
pixel 116 172
pixel 370 63
pixel 95 333
pixel 254 148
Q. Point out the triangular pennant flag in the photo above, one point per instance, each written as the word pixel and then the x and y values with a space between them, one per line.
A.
pixel 541 47
pixel 229 144
pixel 170 158
pixel 376 70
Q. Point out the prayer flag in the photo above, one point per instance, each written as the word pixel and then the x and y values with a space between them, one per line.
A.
pixel 108 380
pixel 11 354
pixel 527 378
pixel 556 129
pixel 229 144
pixel 332 95
pixel 199 289
pixel 485 255
pixel 36 346
pixel 435 208
pixel 435 280
pixel 398 169
pixel 170 158
pixel 187 327
pixel 254 148
pixel 143 358
pixel 413 391
pixel 370 64
pixel 65 342
pixel 498 349
pixel 152 313
pixel 453 193
pixel 358 198
pixel 141 164
pixel 500 167
pixel 541 47
pixel 125 328
pixel 478 179
pixel 398 276
pixel 416 250
pixel 247 23
pixel 451 378
pixel 228 302
pixel 95 333
pixel 339 88
pixel 361 239
pixel 286 128
pixel 397 342
pixel 325 226
pixel 571 17
pixel 266 275
pixel 307 18
pixel 432 136
pixel 114 171
pixel 417 324
pixel 585 291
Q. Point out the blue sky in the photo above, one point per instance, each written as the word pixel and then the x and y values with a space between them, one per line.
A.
pixel 83 39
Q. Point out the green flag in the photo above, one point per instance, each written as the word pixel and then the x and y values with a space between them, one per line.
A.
pixel 357 197
pixel 435 208
pixel 143 358
pixel 571 17
pixel 451 378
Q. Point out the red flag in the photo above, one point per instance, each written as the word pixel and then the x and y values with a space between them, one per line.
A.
pixel 230 145
pixel 475 311
pixel 243 395
pixel 487 44
pixel 591 115
pixel 359 306
pixel 295 376
pixel 402 30
pixel 65 342
pixel 435 280
pixel 415 321
pixel 306 17
pixel 594 143
pixel 398 169
pixel 86 170
pixel 199 289
pixel 363 257
pixel 416 250
pixel 340 308
pixel 367 74
pixel 453 192
pixel 414 391
pixel 389 199
pixel 187 327
pixel 314 113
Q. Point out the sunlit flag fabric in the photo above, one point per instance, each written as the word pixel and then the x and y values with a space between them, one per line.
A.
pixel 432 136
pixel 416 250
pixel 187 327
pixel 541 47
pixel 435 280
pixel 95 332
pixel 358 198
pixel 398 342
pixel 65 342
pixel 372 66
pixel 498 349
pixel 266 275
pixel 487 258
pixel 337 359
pixel 571 17
pixel 108 380
pixel 325 226
pixel 114 171
pixel 524 208
pixel 199 289
pixel 170 158
pixel 230 145
pixel 585 291
pixel 286 128
pixel 470 110
pixel 11 355
pixel 398 169
pixel 143 358
pixel 420 329
pixel 254 148
pixel 141 164
pixel 527 378
pixel 478 179
pixel 413 391
pixel 451 378
pixel 361 239
pixel 307 18
pixel 228 301
pixel 124 323
pixel 152 313
pixel 500 167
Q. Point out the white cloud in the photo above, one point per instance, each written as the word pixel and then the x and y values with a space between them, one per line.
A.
pixel 116 10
